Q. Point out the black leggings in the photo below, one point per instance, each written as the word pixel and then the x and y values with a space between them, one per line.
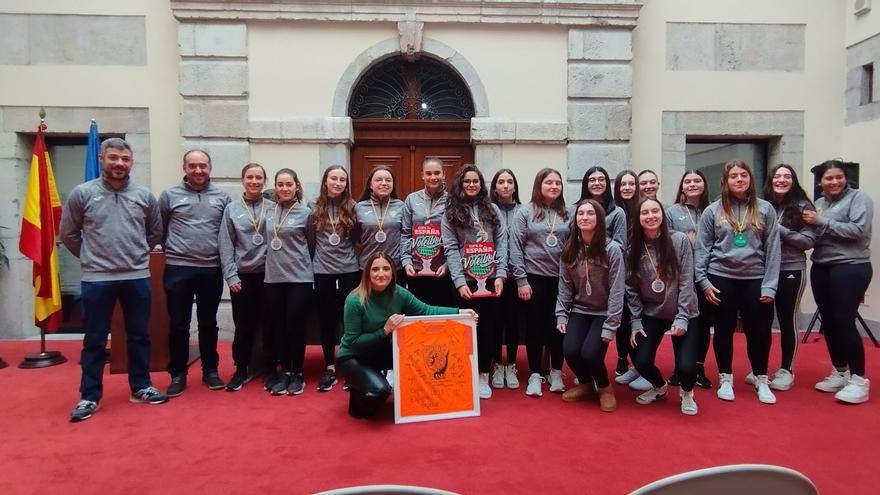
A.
pixel 541 316
pixel 685 347
pixel 838 290
pixel 331 291
pixel 287 304
pixel 585 350
pixel 624 347
pixel 487 309
pixel 248 314
pixel 741 297
pixel 369 388
pixel 509 322
pixel 703 325
pixel 437 291
pixel 788 302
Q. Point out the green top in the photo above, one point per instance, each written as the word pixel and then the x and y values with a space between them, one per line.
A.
pixel 364 323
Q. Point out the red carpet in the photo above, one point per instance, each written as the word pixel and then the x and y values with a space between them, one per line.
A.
pixel 249 442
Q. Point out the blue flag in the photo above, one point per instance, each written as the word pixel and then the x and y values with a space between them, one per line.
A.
pixel 92 169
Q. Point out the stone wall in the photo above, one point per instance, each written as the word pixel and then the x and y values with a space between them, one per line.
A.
pixel 735 47
pixel 858 108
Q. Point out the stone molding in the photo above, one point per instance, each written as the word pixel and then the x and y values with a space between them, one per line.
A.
pixel 485 130
pixel 862 53
pixel 302 130
pixel 735 47
pixel 619 13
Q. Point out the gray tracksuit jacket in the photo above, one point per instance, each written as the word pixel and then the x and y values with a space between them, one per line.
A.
pixel 330 259
pixel 454 240
pixel 844 228
pixel 191 220
pixel 293 262
pixel 415 212
pixel 529 252
pixel 238 253
pixel 368 224
pixel 606 295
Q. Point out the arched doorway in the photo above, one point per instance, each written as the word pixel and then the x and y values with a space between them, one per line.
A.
pixel 405 111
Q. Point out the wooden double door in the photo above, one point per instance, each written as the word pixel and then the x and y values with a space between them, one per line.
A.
pixel 404 145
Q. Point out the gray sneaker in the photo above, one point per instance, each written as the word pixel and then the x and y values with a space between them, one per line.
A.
pixel 83 410
pixel 148 395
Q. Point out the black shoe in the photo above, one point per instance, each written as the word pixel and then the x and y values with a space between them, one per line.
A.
pixel 280 386
pixel 178 385
pixel 622 367
pixel 327 381
pixel 297 384
pixel 83 410
pixel 239 378
pixel 673 380
pixel 702 381
pixel 271 380
pixel 212 381
pixel 346 387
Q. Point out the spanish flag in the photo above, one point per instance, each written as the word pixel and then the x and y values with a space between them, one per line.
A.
pixel 39 224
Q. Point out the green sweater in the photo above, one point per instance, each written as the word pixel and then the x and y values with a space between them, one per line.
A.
pixel 364 323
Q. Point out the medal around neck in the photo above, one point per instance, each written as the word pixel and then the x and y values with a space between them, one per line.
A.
pixel 552 240
pixel 658 286
pixel 275 244
pixel 380 236
pixel 334 239
pixel 740 239
pixel 588 289
pixel 258 239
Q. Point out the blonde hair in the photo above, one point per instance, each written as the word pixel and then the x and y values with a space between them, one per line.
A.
pixel 364 289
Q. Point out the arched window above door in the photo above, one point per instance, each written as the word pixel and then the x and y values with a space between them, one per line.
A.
pixel 425 89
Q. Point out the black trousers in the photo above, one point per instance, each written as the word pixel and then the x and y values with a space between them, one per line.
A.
pixel 584 349
pixel 487 309
pixel 787 303
pixel 741 297
pixel 621 340
pixel 369 388
pixel 437 291
pixel 248 314
pixel 287 305
pixel 183 284
pixel 511 317
pixel 702 324
pixel 331 291
pixel 838 290
pixel 685 346
pixel 541 317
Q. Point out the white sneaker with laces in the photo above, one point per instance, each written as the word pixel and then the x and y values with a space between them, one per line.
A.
pixel 640 384
pixel 498 376
pixel 750 379
pixel 725 386
pixel 782 380
pixel 762 386
pixel 510 376
pixel 485 389
pixel 688 404
pixel 856 390
pixel 557 381
pixel 834 382
pixel 652 395
pixel 625 379
pixel 533 389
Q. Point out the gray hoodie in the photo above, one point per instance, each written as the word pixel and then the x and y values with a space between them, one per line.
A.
pixel 615 226
pixel 678 301
pixel 191 220
pixel 508 212
pixel 238 253
pixel 716 253
pixel 454 240
pixel 111 230
pixel 415 212
pixel 795 242
pixel 684 218
pixel 844 228
pixel 606 295
pixel 293 262
pixel 368 225
pixel 330 259
pixel 529 252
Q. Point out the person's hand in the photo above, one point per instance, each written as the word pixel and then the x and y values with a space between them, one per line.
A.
pixel 469 312
pixel 499 286
pixel 441 271
pixel 524 292
pixel 393 322
pixel 635 333
pixel 711 295
pixel 464 292
pixel 810 217
pixel 562 327
pixel 235 288
pixel 410 271
pixel 677 331
pixel 766 299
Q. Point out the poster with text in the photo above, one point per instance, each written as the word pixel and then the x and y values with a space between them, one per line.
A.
pixel 426 249
pixel 435 359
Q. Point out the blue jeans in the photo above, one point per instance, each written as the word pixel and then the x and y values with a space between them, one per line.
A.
pixel 182 284
pixel 98 301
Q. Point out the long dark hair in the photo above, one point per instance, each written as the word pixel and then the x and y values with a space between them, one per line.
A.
pixel 791 206
pixel 298 195
pixel 681 197
pixel 365 195
pixel 364 290
pixel 667 261
pixel 575 250
pixel 538 198
pixel 457 212
pixel 626 204
pixel 344 202
pixel 494 196
pixel 607 200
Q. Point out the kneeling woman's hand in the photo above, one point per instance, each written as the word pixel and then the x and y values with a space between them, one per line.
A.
pixel 393 322
pixel 469 312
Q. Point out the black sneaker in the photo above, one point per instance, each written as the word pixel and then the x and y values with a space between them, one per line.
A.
pixel 83 410
pixel 239 378
pixel 673 380
pixel 297 384
pixel 346 387
pixel 622 367
pixel 327 381
pixel 177 386
pixel 212 381
pixel 280 386
pixel 271 380
pixel 148 395
pixel 702 381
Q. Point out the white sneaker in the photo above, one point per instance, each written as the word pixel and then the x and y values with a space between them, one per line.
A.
pixel 625 379
pixel 856 390
pixel 782 380
pixel 750 379
pixel 762 386
pixel 510 376
pixel 485 389
pixel 533 389
pixel 725 386
pixel 688 404
pixel 652 395
pixel 834 382
pixel 498 376
pixel 640 384
pixel 389 377
pixel 557 381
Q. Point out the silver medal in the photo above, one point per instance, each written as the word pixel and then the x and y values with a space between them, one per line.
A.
pixel 658 286
pixel 588 289
pixel 333 239
pixel 258 239
pixel 380 236
pixel 552 240
pixel 275 244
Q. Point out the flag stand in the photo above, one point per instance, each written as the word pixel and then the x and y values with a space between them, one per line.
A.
pixel 2 363
pixel 44 358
